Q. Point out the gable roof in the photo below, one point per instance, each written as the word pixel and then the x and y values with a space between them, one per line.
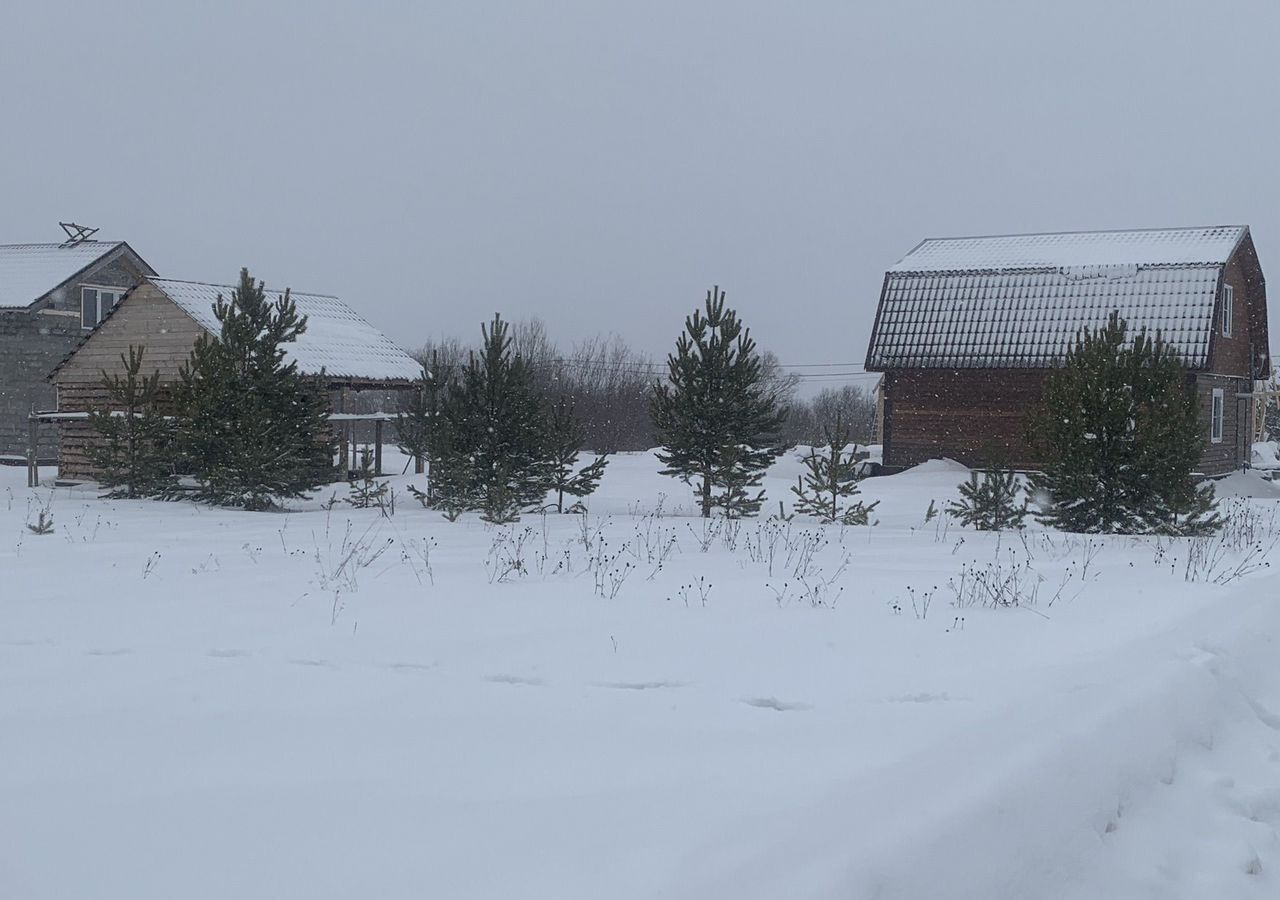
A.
pixel 1021 300
pixel 30 271
pixel 337 340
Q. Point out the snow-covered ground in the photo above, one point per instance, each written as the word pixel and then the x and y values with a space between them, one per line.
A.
pixel 1266 455
pixel 200 703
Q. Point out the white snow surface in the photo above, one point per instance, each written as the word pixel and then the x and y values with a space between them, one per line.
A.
pixel 337 339
pixel 1266 454
pixel 29 271
pixel 1078 249
pixel 197 703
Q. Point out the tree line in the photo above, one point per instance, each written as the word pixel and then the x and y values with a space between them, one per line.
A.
pixel 503 433
pixel 610 385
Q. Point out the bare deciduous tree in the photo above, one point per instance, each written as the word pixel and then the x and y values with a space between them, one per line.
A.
pixel 852 404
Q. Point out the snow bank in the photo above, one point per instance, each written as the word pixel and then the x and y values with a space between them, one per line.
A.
pixel 937 466
pixel 1246 484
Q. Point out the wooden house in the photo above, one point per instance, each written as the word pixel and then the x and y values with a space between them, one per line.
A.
pixel 968 328
pixel 166 317
pixel 51 295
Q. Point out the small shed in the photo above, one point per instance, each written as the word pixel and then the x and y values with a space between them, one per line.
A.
pixel 967 330
pixel 166 317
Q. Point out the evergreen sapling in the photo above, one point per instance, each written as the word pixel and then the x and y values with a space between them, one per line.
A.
pixel 419 420
pixel 989 501
pixel 565 439
pixel 134 457
pixel 491 452
pixel 716 418
pixel 253 429
pixel 364 489
pixel 1122 435
pixel 826 490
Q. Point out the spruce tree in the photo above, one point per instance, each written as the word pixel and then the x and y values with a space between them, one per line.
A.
pixel 254 430
pixel 989 500
pixel 831 481
pixel 493 454
pixel 564 442
pixel 134 458
pixel 1121 434
pixel 717 422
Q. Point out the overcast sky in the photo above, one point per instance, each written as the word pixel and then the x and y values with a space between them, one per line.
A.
pixel 601 164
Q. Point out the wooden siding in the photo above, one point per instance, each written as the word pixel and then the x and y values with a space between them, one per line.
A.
pixel 78 435
pixel 969 415
pixel 1231 355
pixel 977 416
pixel 1235 448
pixel 145 318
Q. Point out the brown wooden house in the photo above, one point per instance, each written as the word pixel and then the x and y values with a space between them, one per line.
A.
pixel 166 317
pixel 968 328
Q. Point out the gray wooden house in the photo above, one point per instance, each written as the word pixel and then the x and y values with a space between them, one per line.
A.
pixel 51 296
pixel 967 329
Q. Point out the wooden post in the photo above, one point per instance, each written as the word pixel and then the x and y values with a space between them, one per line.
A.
pixel 377 447
pixel 878 428
pixel 344 445
pixel 33 450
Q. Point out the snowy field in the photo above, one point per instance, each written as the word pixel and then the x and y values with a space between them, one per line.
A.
pixel 198 703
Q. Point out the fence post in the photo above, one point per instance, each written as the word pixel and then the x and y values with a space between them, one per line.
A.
pixel 343 437
pixel 33 452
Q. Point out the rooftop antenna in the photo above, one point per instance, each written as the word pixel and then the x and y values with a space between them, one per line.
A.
pixel 76 233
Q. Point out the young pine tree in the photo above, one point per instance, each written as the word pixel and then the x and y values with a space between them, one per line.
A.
pixel 135 456
pixel 827 488
pixel 415 421
pixel 989 500
pixel 564 442
pixel 1121 433
pixel 420 426
pixel 364 489
pixel 492 454
pixel 717 422
pixel 253 430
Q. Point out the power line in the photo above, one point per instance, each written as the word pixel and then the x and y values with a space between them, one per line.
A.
pixel 569 361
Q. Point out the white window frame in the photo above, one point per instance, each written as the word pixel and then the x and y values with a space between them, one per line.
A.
pixel 101 292
pixel 1228 309
pixel 1217 410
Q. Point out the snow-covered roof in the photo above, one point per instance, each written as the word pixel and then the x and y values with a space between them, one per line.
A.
pixel 1148 247
pixel 29 271
pixel 337 340
pixel 1021 300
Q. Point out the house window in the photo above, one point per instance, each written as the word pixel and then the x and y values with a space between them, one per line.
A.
pixel 1228 304
pixel 96 302
pixel 1215 417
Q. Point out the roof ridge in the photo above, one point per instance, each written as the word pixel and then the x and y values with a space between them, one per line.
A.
pixel 1056 269
pixel 987 237
pixel 213 284
pixel 59 245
